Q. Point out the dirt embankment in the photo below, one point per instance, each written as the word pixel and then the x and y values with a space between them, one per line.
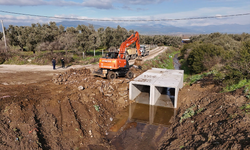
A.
pixel 72 111
pixel 217 121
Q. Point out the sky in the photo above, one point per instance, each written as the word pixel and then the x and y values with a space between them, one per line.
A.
pixel 128 10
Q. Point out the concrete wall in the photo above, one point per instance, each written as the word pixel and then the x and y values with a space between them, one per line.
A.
pixel 158 80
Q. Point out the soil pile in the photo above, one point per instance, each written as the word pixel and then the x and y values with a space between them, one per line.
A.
pixel 74 111
pixel 208 119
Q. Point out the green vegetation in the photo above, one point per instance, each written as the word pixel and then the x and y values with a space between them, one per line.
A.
pixel 188 113
pixel 97 107
pixel 246 108
pixel 224 57
pixel 42 42
pixel 182 147
pixel 162 61
pixel 233 116
pixel 199 110
pixel 238 85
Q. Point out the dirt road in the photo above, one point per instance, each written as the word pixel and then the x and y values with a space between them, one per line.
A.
pixel 25 74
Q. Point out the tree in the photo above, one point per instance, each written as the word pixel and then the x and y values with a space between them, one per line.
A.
pixel 69 41
pixel 158 39
pixel 108 37
pixel 17 36
pixel 83 37
pixel 101 36
pixel 94 41
pixel 120 35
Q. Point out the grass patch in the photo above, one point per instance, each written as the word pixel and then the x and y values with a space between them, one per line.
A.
pixel 239 85
pixel 184 66
pixel 245 108
pixel 188 113
pixel 165 60
pixel 194 78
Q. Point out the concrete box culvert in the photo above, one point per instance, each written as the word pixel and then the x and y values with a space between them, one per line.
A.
pixel 157 86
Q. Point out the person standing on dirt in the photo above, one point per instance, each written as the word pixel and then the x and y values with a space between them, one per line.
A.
pixel 54 63
pixel 62 61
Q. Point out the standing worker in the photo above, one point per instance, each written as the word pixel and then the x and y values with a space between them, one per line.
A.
pixel 54 63
pixel 62 61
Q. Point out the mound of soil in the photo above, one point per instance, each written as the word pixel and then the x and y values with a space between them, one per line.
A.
pixel 214 120
pixel 73 111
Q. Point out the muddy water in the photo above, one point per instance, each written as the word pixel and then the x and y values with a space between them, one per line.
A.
pixel 177 65
pixel 140 126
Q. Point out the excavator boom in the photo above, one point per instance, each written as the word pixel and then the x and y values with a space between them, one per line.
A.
pixel 133 38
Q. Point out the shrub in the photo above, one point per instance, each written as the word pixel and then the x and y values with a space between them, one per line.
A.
pixel 238 66
pixel 203 57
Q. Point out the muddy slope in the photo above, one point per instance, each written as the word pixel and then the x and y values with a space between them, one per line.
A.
pixel 217 121
pixel 72 111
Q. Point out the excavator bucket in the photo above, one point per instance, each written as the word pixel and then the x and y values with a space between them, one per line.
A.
pixel 97 73
pixel 138 62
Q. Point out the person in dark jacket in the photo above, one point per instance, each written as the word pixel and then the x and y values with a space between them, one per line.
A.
pixel 62 61
pixel 54 63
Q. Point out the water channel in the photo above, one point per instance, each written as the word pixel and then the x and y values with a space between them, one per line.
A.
pixel 142 126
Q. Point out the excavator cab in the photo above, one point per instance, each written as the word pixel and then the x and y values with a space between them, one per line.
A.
pixel 111 55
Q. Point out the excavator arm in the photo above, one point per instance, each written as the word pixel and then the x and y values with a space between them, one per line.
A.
pixel 133 38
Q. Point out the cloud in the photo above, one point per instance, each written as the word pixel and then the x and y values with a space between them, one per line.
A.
pixel 99 4
pixel 126 7
pixel 141 9
pixel 23 2
pixel 140 2
pixel 202 12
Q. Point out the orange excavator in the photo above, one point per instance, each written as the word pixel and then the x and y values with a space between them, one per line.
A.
pixel 115 64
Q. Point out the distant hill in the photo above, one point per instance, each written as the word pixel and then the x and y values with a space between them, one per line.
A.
pixel 76 23
pixel 157 29
pixel 225 28
pixel 163 29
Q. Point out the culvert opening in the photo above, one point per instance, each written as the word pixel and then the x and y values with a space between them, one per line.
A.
pixel 140 93
pixel 165 96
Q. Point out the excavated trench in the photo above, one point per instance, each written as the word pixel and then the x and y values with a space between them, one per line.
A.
pixel 77 111
pixel 143 125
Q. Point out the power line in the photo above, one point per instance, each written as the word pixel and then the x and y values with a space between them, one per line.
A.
pixel 127 20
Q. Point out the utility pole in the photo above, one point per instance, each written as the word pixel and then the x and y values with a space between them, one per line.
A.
pixel 4 37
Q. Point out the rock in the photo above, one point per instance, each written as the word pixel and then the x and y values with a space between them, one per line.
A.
pixel 108 94
pixel 81 87
pixel 111 119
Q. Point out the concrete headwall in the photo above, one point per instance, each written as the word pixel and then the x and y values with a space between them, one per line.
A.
pixel 160 82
